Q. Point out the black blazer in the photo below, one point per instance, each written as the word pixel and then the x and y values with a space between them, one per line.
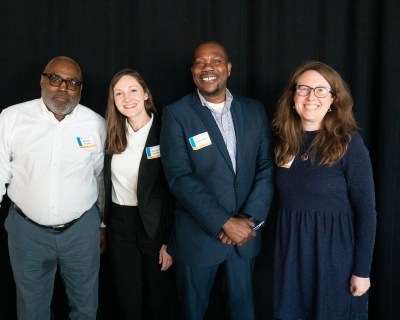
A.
pixel 156 205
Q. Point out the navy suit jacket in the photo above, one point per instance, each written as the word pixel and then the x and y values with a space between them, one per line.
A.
pixel 207 190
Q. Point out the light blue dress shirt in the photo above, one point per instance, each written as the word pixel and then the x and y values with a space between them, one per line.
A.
pixel 225 125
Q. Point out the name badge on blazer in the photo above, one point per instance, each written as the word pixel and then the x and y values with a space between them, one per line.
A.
pixel 86 142
pixel 200 141
pixel 153 152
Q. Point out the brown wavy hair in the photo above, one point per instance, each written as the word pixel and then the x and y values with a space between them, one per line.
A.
pixel 116 122
pixel 332 139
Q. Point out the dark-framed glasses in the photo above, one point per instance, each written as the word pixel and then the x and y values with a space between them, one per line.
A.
pixel 56 81
pixel 319 92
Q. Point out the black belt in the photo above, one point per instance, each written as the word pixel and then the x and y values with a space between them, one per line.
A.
pixel 60 227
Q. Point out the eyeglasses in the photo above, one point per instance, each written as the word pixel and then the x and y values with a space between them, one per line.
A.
pixel 56 81
pixel 320 92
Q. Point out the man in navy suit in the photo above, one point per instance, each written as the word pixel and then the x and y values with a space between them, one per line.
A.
pixel 217 153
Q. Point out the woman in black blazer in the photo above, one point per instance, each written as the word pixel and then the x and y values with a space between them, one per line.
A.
pixel 138 205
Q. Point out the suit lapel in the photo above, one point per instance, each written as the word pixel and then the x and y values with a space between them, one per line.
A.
pixel 237 117
pixel 153 139
pixel 212 128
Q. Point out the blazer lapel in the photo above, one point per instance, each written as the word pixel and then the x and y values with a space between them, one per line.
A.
pixel 212 128
pixel 153 139
pixel 237 117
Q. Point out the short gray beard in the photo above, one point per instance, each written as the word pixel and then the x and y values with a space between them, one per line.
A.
pixel 57 109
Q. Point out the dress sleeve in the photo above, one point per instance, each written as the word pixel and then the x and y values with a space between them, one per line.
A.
pixel 360 187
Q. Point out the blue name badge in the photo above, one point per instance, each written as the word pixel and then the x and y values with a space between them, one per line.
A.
pixel 85 142
pixel 153 152
pixel 200 141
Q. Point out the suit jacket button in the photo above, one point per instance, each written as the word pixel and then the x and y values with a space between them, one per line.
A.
pixel 236 184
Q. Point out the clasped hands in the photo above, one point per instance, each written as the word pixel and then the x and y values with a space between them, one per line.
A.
pixel 237 230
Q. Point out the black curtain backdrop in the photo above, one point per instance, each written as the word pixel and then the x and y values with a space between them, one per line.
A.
pixel 266 41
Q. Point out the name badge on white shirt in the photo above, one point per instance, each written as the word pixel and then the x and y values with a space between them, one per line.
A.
pixel 85 142
pixel 153 152
pixel 200 141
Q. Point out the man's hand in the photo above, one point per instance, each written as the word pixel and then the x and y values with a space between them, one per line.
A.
pixel 238 230
pixel 164 258
pixel 103 240
pixel 359 286
pixel 224 238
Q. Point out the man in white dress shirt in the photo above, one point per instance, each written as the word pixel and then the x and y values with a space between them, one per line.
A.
pixel 51 158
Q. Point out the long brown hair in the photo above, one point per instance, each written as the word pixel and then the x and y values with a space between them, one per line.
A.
pixel 116 121
pixel 333 137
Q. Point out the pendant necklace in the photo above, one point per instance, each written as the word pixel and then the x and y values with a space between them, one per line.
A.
pixel 304 156
pixel 309 138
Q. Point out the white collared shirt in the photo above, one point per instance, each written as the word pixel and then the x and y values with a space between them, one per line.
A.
pixel 54 169
pixel 125 166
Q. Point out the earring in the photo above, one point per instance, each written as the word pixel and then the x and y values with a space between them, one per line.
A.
pixel 329 110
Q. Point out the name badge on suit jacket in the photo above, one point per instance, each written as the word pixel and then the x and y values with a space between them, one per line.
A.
pixel 200 141
pixel 153 152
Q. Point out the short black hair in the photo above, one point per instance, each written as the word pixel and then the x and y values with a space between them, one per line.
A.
pixel 212 42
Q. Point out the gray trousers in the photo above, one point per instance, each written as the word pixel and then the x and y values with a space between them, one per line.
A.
pixel 35 253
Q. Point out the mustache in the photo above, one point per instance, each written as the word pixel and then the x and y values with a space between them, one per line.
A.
pixel 209 74
pixel 61 94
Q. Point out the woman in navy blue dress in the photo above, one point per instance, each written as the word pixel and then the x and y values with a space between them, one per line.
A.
pixel 327 218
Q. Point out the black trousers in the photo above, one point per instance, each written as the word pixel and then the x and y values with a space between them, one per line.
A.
pixel 143 290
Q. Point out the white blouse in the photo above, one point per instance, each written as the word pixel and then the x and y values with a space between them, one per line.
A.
pixel 125 166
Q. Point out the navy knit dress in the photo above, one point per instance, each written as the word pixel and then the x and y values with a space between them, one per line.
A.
pixel 325 234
